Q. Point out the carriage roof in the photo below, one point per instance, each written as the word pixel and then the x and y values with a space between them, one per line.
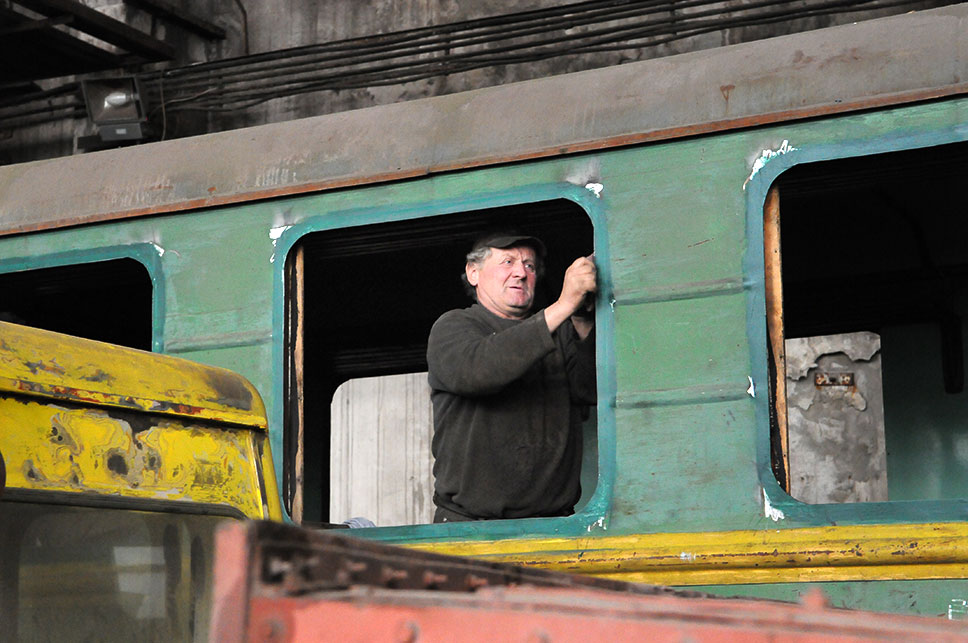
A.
pixel 901 59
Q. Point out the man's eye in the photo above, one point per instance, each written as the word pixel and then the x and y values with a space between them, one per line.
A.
pixel 529 266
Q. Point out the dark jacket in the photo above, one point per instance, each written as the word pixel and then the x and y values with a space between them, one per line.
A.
pixel 507 399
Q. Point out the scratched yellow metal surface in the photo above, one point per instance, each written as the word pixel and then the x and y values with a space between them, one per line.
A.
pixel 864 552
pixel 48 446
pixel 37 362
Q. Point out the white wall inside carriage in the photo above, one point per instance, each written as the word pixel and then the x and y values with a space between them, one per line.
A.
pixel 380 462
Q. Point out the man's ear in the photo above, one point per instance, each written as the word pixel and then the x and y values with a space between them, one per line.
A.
pixel 471 270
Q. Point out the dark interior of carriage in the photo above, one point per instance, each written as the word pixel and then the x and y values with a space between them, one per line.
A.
pixel 879 243
pixel 109 301
pixel 372 293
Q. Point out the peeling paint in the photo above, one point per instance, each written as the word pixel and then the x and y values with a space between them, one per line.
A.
pixel 158 249
pixel 770 511
pixel 686 556
pixel 600 523
pixel 595 188
pixel 275 233
pixel 751 391
pixel 957 609
pixel 766 156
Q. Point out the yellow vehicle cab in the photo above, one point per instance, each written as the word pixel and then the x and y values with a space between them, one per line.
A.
pixel 120 465
pixel 85 417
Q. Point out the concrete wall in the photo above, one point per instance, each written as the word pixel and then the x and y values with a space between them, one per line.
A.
pixel 270 26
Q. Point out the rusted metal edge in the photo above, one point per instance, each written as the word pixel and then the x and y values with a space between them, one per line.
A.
pixel 710 127
pixel 98 398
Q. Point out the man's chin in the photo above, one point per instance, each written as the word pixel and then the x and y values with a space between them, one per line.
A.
pixel 521 310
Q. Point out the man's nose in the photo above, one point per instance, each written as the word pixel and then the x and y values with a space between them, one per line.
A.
pixel 518 269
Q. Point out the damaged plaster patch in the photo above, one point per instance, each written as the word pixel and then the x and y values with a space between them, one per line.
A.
pixel 770 511
pixel 802 353
pixel 766 156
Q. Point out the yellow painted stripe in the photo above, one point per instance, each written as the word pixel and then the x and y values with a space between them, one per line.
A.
pixel 41 363
pixel 861 552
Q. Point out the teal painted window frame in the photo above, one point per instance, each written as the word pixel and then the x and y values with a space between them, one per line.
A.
pixel 778 502
pixel 146 254
pixel 594 515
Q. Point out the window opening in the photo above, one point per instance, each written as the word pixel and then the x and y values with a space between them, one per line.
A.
pixel 369 296
pixel 867 291
pixel 109 301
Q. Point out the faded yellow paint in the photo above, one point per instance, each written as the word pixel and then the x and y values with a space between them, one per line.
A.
pixel 81 449
pixel 837 553
pixel 73 418
pixel 37 362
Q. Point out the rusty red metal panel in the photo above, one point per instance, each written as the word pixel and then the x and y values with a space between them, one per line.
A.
pixel 893 60
pixel 281 583
pixel 544 614
pixel 230 589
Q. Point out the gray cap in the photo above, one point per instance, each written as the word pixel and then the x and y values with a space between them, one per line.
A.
pixel 510 240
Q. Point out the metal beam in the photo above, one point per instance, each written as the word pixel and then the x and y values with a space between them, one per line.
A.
pixel 168 11
pixel 103 27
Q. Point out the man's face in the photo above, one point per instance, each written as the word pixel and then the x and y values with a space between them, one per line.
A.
pixel 505 281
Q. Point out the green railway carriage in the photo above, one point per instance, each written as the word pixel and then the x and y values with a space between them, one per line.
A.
pixel 741 202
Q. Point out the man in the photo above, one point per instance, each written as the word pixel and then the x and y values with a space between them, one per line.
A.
pixel 509 387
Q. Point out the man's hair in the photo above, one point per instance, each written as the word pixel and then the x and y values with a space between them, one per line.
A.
pixel 477 256
pixel 482 250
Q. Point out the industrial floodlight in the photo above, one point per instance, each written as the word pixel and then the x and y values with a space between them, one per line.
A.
pixel 115 106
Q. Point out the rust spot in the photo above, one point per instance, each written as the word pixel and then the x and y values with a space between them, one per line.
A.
pixel 209 474
pixel 152 460
pixel 117 464
pixel 163 406
pixel 211 190
pixel 31 473
pixel 726 90
pixel 98 376
pixel 127 400
pixel 231 391
pixel 50 367
pixel 845 56
pixel 800 58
